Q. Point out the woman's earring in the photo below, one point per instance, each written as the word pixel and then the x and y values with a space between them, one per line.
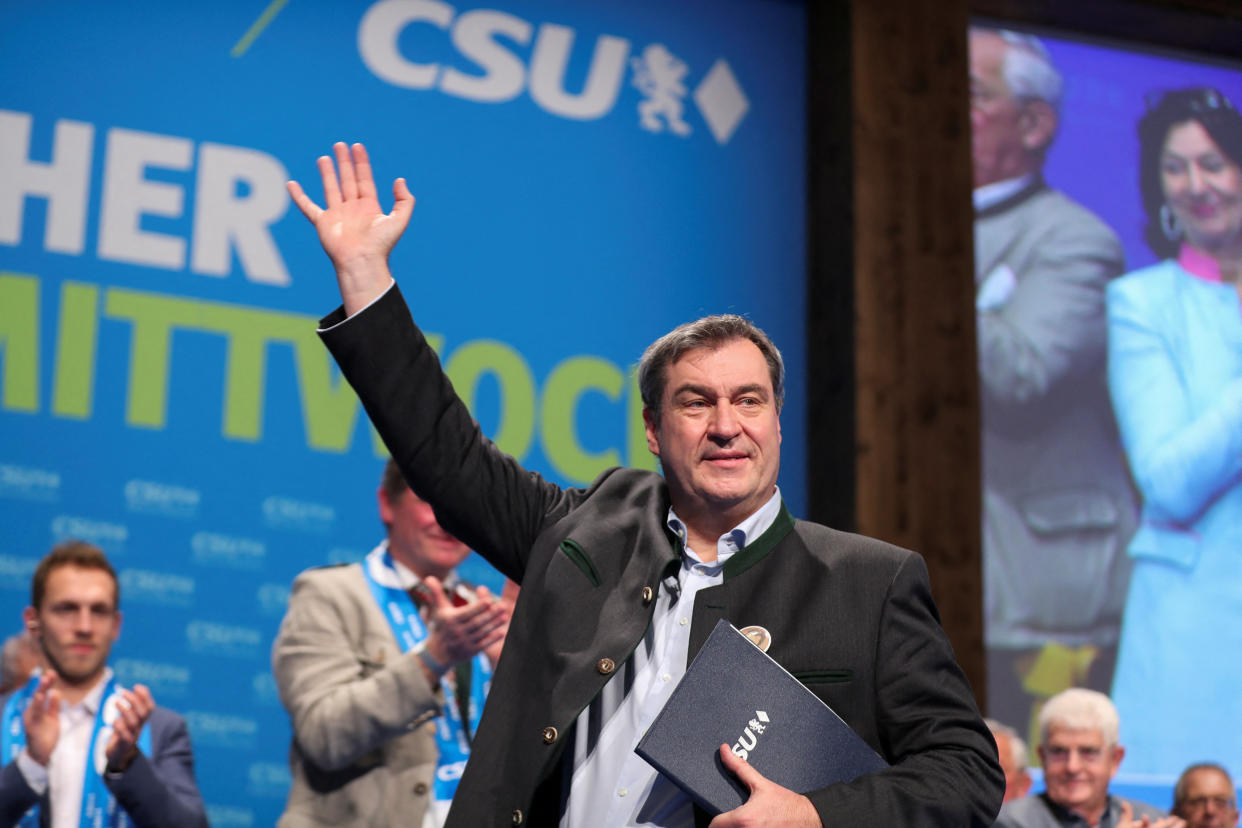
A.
pixel 1169 224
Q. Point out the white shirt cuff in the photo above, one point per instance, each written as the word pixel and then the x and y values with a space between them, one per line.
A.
pixel 391 282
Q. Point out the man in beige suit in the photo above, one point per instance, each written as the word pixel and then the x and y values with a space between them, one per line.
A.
pixel 1058 504
pixel 384 702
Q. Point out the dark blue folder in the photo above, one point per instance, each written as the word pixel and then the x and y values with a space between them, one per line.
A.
pixel 733 693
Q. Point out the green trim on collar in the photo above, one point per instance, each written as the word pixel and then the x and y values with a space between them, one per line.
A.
pixel 755 551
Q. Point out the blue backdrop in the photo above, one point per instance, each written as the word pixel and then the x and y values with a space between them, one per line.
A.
pixel 588 175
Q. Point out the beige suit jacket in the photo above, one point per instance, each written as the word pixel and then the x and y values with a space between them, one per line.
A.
pixel 364 750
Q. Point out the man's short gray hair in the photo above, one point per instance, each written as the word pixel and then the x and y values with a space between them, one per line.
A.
pixel 1017 747
pixel 1081 709
pixel 1027 68
pixel 708 332
pixel 1183 781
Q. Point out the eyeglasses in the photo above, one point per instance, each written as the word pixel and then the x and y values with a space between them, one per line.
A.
pixel 1194 101
pixel 1198 803
pixel 1088 754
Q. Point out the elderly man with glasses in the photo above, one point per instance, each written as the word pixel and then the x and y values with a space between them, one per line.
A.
pixel 1080 752
pixel 1205 797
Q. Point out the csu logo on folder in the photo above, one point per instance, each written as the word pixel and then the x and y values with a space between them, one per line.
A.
pixel 750 736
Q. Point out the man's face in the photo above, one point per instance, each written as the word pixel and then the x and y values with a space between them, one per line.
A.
pixel 719 433
pixel 415 539
pixel 1210 800
pixel 76 623
pixel 997 119
pixel 1017 780
pixel 1077 767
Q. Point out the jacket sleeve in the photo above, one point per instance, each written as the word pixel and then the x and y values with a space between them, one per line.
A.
pixel 480 494
pixel 1181 457
pixel 341 706
pixel 160 790
pixel 1052 326
pixel 944 767
pixel 16 797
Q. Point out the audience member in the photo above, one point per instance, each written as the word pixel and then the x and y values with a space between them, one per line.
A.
pixel 1205 797
pixel 1080 752
pixel 1012 751
pixel 381 666
pixel 79 749
pixel 18 659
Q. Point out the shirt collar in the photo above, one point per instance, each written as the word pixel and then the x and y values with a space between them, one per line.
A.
pixel 90 703
pixel 998 191
pixel 1199 265
pixel 732 541
pixel 407 579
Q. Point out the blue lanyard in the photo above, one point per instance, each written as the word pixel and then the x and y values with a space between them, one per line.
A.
pixel 407 627
pixel 99 808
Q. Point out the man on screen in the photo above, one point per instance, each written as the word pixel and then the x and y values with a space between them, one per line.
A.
pixel 79 749
pixel 1058 505
pixel 623 581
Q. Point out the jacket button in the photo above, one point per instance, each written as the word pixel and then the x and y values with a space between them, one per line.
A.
pixel 606 666
pixel 648 594
pixel 517 817
pixel 420 788
pixel 549 736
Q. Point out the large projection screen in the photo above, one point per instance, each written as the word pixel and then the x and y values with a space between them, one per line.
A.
pixel 587 175
pixel 1108 366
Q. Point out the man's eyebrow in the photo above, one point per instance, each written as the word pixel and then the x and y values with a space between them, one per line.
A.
pixel 711 393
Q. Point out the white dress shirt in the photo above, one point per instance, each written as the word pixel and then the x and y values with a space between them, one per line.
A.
pixel 611 785
pixel 66 769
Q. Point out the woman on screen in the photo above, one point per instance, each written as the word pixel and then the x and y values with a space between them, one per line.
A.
pixel 1175 375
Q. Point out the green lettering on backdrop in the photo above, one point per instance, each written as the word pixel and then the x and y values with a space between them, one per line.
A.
pixel 19 341
pixel 467 366
pixel 153 318
pixel 636 432
pixel 73 389
pixel 559 415
pixel 329 406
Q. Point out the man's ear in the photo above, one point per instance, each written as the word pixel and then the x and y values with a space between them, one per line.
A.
pixel 653 441
pixel 385 506
pixel 1038 124
pixel 1119 753
pixel 30 617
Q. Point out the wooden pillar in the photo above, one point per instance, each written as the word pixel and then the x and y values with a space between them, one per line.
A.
pixel 909 233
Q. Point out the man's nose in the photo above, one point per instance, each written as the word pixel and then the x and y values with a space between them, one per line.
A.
pixel 724 420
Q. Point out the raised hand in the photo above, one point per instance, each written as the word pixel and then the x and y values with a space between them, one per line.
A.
pixel 1127 820
pixel 458 633
pixel 768 805
pixel 355 232
pixel 134 709
pixel 42 719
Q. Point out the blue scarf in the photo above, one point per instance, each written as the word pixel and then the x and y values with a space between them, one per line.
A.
pixel 407 627
pixel 99 807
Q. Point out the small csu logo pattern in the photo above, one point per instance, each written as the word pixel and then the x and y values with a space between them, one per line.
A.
pixel 749 739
